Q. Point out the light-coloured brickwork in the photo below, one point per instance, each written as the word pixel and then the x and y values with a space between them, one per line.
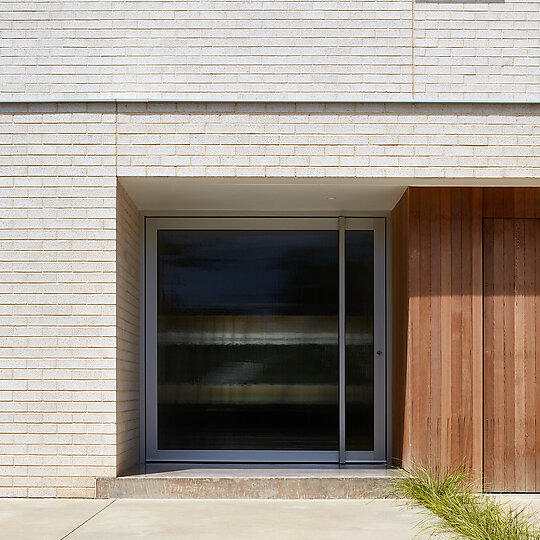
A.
pixel 127 328
pixel 237 49
pixel 478 50
pixel 270 50
pixel 57 299
pixel 332 140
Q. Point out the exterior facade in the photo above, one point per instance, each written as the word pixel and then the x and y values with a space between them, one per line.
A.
pixel 420 118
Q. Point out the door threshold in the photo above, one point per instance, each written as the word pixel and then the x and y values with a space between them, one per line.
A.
pixel 185 468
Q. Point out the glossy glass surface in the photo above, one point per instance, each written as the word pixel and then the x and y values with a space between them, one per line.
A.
pixel 248 340
pixel 359 320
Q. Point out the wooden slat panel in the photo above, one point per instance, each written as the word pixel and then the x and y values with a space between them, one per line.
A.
pixel 489 341
pixel 458 362
pixel 508 330
pixel 511 202
pixel 498 353
pixel 519 352
pixel 435 365
pixel 422 339
pixel 444 338
pixel 465 447
pixel 416 435
pixel 446 324
pixel 448 307
pixel 529 353
pixel 535 404
pixel 511 290
pixel 477 384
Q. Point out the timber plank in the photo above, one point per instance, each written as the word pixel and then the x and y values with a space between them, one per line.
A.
pixel 456 329
pixel 511 408
pixel 436 388
pixel 415 449
pixel 519 354
pixel 424 395
pixel 446 324
pixel 529 354
pixel 466 401
pixel 477 334
pixel 489 362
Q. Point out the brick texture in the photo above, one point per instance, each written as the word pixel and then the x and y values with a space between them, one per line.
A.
pixel 127 332
pixel 205 50
pixel 57 299
pixel 317 140
pixel 478 50
pixel 270 50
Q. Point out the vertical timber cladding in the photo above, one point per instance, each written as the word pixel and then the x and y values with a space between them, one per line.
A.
pixel 439 287
pixel 512 340
pixel 511 286
pixel 466 320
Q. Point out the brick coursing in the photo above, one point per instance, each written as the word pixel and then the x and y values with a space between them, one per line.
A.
pixel 57 299
pixel 329 140
pixel 270 50
pixel 127 332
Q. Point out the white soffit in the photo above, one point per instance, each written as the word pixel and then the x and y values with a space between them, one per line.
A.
pixel 261 194
pixel 334 196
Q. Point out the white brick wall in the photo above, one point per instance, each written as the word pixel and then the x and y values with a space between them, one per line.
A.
pixel 317 140
pixel 480 50
pixel 127 327
pixel 57 299
pixel 205 49
pixel 270 50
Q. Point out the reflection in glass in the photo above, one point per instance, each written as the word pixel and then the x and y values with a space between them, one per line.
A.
pixel 359 309
pixel 247 340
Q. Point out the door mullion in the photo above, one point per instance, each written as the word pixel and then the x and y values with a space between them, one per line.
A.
pixel 341 340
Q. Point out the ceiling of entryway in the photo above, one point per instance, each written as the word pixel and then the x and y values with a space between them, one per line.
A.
pixel 262 194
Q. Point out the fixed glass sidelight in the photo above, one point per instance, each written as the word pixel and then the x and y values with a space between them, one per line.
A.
pixel 359 340
pixel 244 356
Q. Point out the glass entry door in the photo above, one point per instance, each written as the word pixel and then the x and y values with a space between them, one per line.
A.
pixel 265 339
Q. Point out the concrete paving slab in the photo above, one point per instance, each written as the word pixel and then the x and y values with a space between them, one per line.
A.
pixel 221 519
pixel 45 519
pixel 531 502
pixel 136 519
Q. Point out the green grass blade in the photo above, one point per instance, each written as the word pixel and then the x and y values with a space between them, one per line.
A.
pixel 455 509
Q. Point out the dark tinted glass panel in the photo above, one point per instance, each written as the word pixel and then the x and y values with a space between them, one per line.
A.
pixel 247 340
pixel 359 340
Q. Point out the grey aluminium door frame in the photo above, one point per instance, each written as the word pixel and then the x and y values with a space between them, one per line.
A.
pixel 377 225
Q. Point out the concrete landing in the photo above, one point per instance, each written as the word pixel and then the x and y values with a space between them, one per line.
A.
pixel 203 483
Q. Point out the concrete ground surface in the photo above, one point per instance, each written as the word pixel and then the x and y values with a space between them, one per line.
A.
pixel 161 519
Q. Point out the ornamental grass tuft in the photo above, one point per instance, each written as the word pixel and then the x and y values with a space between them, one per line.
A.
pixel 455 509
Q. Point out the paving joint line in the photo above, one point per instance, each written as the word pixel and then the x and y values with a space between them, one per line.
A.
pixel 87 520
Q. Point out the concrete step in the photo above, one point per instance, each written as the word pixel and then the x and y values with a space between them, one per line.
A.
pixel 202 483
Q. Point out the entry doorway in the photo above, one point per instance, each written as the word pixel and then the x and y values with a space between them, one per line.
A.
pixel 265 340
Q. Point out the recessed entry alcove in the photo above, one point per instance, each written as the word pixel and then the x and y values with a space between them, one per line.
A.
pixel 264 311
